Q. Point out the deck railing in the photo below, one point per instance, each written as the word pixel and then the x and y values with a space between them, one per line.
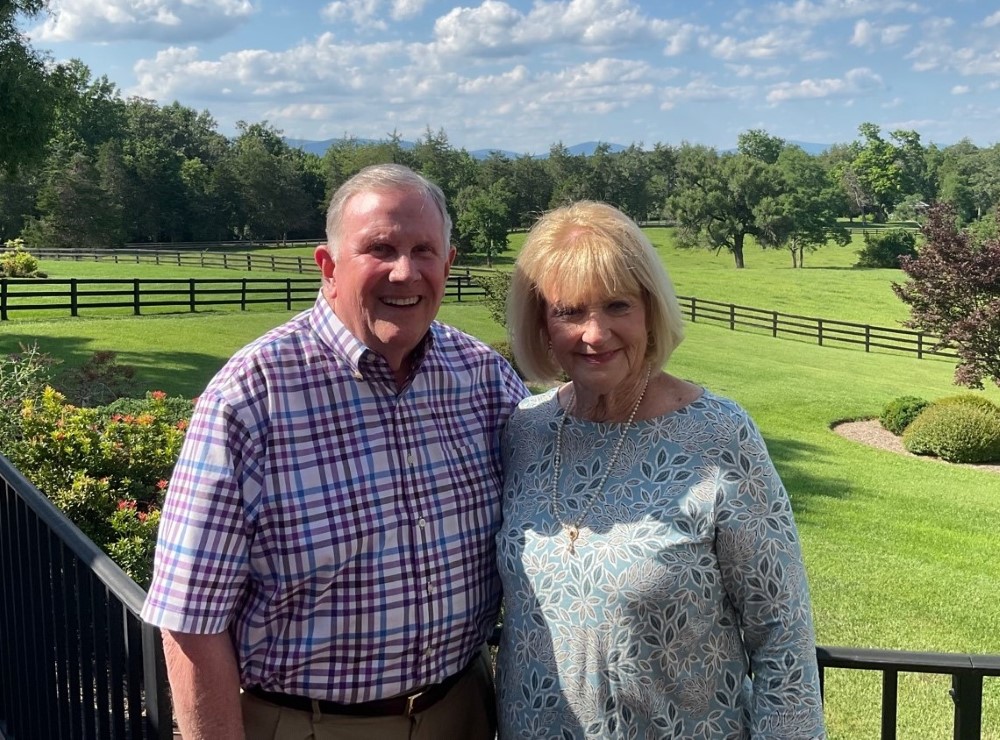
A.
pixel 75 660
pixel 77 663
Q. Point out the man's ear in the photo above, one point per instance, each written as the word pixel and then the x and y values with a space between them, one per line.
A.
pixel 325 261
pixel 451 259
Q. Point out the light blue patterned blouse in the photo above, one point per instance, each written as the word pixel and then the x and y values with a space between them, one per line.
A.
pixel 687 576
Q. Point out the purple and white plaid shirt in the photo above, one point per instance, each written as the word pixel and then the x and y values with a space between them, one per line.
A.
pixel 343 531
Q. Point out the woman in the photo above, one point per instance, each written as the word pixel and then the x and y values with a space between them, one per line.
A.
pixel 649 557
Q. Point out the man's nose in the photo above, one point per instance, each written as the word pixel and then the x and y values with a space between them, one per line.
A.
pixel 403 269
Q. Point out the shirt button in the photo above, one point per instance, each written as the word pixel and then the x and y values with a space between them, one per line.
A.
pixel 430 588
pixel 410 459
pixel 421 522
pixel 428 652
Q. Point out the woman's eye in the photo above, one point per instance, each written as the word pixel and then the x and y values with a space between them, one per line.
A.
pixel 619 307
pixel 565 312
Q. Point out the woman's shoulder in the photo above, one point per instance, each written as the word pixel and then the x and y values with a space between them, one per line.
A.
pixel 537 405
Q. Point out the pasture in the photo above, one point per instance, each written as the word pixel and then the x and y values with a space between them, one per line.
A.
pixel 900 552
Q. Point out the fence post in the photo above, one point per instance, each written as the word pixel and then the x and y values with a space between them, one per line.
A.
pixel 300 265
pixel 157 253
pixel 243 294
pixel 920 345
pixel 116 258
pixel 819 331
pixel 249 263
pixel 178 259
pixel 225 261
pixel 135 296
pixel 732 317
pixel 191 297
pixel 72 297
pixel 459 282
pixel 202 259
pixel 694 308
pixel 868 338
pixel 967 693
pixel 288 294
pixel 272 263
pixel 774 324
pixel 3 299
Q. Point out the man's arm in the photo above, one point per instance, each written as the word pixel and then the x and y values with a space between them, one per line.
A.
pixel 205 684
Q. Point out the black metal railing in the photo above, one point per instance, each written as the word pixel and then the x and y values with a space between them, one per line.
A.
pixel 75 659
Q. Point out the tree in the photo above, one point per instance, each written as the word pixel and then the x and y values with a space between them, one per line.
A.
pixel 484 218
pixel 720 200
pixel 879 171
pixel 803 216
pixel 953 291
pixel 29 90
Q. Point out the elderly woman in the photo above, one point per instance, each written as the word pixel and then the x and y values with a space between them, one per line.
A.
pixel 652 574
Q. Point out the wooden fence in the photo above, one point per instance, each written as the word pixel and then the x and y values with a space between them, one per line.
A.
pixel 244 261
pixel 82 294
pixel 825 332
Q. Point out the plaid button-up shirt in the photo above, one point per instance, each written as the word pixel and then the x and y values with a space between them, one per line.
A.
pixel 341 529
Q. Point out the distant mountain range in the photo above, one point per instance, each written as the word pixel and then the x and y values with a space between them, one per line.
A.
pixel 586 148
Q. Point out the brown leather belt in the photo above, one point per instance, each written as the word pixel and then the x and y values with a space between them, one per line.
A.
pixel 397 706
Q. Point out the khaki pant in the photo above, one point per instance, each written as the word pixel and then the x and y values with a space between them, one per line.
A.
pixel 467 712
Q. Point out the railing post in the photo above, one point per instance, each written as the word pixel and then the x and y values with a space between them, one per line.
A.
pixel 868 338
pixel 967 693
pixel 890 702
pixel 135 296
pixel 3 299
pixel 920 345
pixel 249 263
pixel 191 295
pixel 300 265
pixel 774 324
pixel 732 317
pixel 243 294
pixel 72 298
pixel 225 261
pixel 694 309
pixel 819 331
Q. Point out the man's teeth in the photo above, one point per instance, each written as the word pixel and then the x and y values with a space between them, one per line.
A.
pixel 401 301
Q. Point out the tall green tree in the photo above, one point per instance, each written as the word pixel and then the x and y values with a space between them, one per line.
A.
pixel 484 219
pixel 879 171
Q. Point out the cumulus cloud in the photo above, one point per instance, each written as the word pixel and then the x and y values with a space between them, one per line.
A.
pixel 857 81
pixel 701 91
pixel 992 20
pixel 369 13
pixel 808 13
pixel 172 21
pixel 767 46
pixel 497 29
pixel 867 34
pixel 961 90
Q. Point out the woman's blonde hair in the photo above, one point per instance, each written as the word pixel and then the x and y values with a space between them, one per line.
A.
pixel 584 252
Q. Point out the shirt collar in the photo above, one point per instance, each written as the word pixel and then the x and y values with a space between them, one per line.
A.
pixel 361 361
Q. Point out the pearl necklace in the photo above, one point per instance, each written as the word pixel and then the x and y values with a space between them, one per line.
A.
pixel 572 529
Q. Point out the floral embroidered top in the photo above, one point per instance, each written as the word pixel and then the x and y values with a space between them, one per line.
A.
pixel 682 609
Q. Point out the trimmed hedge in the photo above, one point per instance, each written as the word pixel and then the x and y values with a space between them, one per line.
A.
pixel 956 432
pixel 900 412
pixel 969 399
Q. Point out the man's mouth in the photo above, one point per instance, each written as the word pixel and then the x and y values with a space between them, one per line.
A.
pixel 403 302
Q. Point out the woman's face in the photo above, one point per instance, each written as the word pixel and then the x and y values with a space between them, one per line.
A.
pixel 600 344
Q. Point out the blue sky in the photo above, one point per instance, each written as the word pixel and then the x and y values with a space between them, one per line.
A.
pixel 519 75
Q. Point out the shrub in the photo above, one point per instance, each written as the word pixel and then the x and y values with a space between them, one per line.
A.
pixel 172 409
pixel 900 412
pixel 504 350
pixel 969 399
pixel 955 432
pixel 23 376
pixel 107 472
pixel 496 286
pixel 100 380
pixel 884 248
pixel 15 262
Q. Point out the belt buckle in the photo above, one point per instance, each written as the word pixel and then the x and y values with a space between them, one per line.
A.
pixel 411 699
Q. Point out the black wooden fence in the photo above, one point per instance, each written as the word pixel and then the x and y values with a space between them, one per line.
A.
pixel 76 295
pixel 825 332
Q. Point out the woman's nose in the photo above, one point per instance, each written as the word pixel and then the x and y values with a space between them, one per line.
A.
pixel 594 329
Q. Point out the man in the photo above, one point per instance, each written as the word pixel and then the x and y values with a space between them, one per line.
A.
pixel 327 538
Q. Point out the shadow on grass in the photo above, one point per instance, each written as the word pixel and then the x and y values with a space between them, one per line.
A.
pixel 177 373
pixel 795 460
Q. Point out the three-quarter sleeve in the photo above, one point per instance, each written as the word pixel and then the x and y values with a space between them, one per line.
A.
pixel 760 559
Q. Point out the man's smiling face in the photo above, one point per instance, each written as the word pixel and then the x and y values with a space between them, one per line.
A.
pixel 389 277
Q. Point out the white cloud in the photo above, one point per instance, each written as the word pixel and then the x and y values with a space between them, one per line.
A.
pixel 173 21
pixel 701 91
pixel 757 73
pixel 368 13
pixel 867 34
pixel 857 81
pixel 809 13
pixel 992 20
pixel 767 46
pixel 961 90
pixel 496 29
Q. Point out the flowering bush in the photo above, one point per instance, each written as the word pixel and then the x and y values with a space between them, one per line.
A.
pixel 107 471
pixel 15 262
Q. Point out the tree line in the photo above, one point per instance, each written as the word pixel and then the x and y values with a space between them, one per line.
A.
pixel 85 167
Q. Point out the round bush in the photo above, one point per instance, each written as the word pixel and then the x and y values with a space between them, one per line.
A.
pixel 969 399
pixel 955 432
pixel 900 412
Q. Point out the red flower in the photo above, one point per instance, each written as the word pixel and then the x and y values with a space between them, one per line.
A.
pixel 157 395
pixel 161 484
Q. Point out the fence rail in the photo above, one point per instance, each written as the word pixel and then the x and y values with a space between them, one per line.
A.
pixel 76 660
pixel 244 261
pixel 74 295
pixel 826 332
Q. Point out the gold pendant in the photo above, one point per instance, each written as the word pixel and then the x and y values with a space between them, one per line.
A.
pixel 572 533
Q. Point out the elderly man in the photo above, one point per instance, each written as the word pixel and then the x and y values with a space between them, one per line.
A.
pixel 327 542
